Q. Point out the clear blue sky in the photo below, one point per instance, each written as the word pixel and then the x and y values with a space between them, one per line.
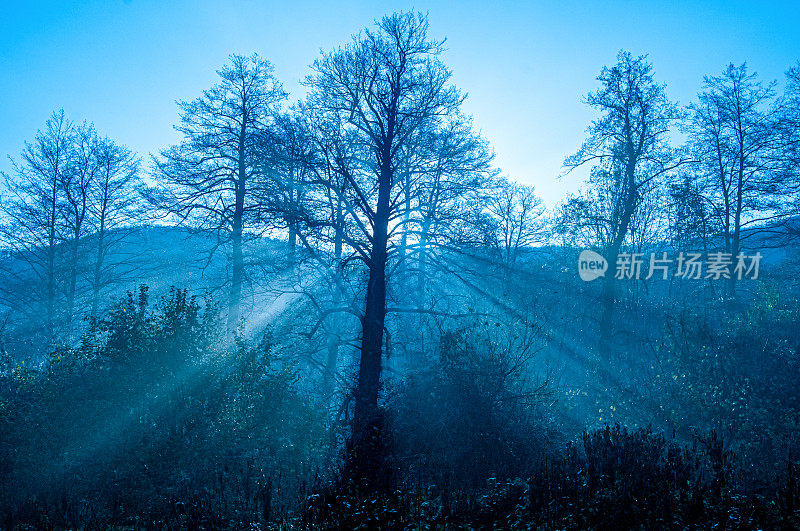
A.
pixel 526 65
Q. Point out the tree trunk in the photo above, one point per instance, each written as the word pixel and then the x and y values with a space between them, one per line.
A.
pixel 237 264
pixel 51 287
pixel 423 262
pixel 51 263
pixel 237 229
pixel 737 219
pixel 98 265
pixel 366 449
pixel 237 258
pixel 294 206
pixel 609 283
pixel 333 328
pixel 406 217
pixel 73 281
pixel 292 240
pixel 332 347
pixel 97 277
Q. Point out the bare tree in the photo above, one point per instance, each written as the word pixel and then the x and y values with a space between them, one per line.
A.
pixel 116 208
pixel 789 123
pixel 737 138
pixel 515 221
pixel 381 88
pixel 449 171
pixel 209 178
pixel 76 183
pixel 324 215
pixel 629 149
pixel 286 160
pixel 791 118
pixel 32 207
pixel 690 225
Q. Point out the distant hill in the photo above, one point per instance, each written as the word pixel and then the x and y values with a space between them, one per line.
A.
pixel 157 256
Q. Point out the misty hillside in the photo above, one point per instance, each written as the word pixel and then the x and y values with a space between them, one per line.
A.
pixel 158 257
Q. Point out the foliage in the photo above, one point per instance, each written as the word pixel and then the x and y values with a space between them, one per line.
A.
pixel 737 377
pixel 612 479
pixel 470 414
pixel 154 418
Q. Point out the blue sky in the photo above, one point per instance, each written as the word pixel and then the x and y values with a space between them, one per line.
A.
pixel 526 65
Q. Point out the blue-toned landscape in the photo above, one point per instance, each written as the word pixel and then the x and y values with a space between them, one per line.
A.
pixel 400 266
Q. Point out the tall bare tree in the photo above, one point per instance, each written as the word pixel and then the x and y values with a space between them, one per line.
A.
pixel 33 207
pixel 77 182
pixel 628 147
pixel 209 177
pixel 116 208
pixel 737 138
pixel 321 216
pixel 382 88
pixel 286 159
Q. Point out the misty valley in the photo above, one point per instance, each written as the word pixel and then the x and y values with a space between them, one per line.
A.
pixel 335 309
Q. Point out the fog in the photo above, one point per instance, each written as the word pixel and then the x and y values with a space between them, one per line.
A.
pixel 339 312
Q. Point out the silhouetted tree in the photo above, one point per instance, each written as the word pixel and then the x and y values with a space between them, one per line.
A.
pixel 791 117
pixel 32 205
pixel 628 146
pixel 77 182
pixel 383 87
pixel 515 220
pixel 116 209
pixel 447 173
pixel 736 136
pixel 690 223
pixel 321 217
pixel 209 178
pixel 286 159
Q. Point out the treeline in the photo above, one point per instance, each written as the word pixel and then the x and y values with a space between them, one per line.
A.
pixel 250 166
pixel 73 196
pixel 730 187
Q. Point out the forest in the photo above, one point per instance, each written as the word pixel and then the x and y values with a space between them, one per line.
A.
pixel 336 311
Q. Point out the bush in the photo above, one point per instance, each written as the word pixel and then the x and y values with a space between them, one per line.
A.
pixel 470 414
pixel 613 478
pixel 737 376
pixel 156 418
